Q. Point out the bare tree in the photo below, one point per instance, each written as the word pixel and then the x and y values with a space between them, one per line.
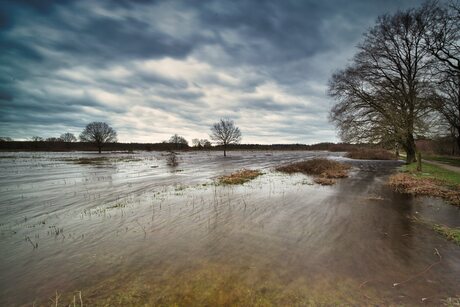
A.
pixel 196 143
pixel 442 40
pixel 98 133
pixel 225 133
pixel 178 141
pixel 442 35
pixel 36 139
pixel 384 94
pixel 68 137
pixel 448 103
pixel 205 143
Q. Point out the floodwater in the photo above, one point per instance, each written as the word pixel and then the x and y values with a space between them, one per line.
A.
pixel 130 230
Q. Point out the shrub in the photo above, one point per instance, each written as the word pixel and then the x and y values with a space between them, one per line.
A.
pixel 371 154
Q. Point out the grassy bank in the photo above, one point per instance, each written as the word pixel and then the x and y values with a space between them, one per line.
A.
pixel 431 181
pixel 444 159
pixel 431 171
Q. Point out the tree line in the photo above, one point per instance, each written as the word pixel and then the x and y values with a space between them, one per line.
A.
pixel 404 80
pixel 223 133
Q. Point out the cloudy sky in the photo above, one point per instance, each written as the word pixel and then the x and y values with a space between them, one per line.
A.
pixel 154 68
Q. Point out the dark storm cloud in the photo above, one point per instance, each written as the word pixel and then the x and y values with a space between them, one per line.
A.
pixel 152 68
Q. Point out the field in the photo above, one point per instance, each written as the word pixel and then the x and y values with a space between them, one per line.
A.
pixel 126 229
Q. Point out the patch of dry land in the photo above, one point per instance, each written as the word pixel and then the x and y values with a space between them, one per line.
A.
pixel 410 183
pixel 325 171
pixel 240 176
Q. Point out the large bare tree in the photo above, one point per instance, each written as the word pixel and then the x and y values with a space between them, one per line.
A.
pixel 224 132
pixel 98 133
pixel 442 40
pixel 384 94
pixel 442 35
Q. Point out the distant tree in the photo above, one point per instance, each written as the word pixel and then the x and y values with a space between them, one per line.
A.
pixel 196 143
pixel 5 139
pixel 98 133
pixel 178 141
pixel 68 137
pixel 224 132
pixel 36 139
pixel 53 139
pixel 205 143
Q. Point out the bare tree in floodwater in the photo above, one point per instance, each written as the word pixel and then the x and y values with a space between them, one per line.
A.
pixel 98 133
pixel 225 133
pixel 385 92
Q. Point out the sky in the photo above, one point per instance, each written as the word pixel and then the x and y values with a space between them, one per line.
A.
pixel 151 69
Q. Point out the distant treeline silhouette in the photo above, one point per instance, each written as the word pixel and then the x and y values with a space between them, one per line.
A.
pixel 164 146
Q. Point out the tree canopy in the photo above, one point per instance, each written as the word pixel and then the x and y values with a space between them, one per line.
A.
pixel 384 95
pixel 224 132
pixel 98 133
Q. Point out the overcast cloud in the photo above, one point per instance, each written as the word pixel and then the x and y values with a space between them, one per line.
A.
pixel 154 68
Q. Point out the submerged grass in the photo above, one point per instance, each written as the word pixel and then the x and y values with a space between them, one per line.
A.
pixel 452 234
pixel 240 176
pixel 326 171
pixel 371 154
pixel 432 181
pixel 95 160
pixel 219 284
pixel 101 160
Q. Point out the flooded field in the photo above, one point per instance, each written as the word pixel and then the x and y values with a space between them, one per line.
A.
pixel 126 229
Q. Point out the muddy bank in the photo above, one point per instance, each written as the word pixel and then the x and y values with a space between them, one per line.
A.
pixel 134 232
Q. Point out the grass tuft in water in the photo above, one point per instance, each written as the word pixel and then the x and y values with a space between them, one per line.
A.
pixel 117 205
pixel 452 234
pixel 240 176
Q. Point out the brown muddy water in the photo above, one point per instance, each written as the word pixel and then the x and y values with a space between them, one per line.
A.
pixel 129 230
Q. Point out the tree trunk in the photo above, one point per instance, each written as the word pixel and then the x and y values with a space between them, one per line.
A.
pixel 410 148
pixel 458 142
pixel 99 147
pixel 225 150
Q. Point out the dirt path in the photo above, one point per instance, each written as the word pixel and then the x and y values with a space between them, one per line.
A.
pixel 444 166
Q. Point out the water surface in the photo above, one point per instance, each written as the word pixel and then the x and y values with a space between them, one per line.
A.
pixel 131 230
